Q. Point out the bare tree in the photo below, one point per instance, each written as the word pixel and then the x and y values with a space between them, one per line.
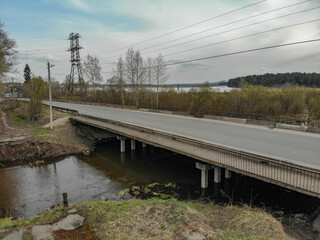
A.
pixel 92 70
pixel 119 77
pixel 135 72
pixel 160 75
pixel 7 53
pixel 149 76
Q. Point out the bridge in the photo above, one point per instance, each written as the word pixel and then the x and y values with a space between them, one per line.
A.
pixel 290 159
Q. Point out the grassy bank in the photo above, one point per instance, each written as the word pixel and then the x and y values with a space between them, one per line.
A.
pixel 164 219
pixel 23 141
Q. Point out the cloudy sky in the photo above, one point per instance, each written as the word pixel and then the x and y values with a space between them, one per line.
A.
pixel 109 27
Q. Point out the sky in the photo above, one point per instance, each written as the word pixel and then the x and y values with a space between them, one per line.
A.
pixel 108 28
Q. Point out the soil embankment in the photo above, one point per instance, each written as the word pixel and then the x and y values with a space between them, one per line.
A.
pixel 22 142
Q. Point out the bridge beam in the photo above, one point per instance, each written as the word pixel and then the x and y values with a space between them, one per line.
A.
pixel 204 173
pixel 227 173
pixel 133 144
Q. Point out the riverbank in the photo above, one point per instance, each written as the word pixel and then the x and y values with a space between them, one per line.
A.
pixel 154 219
pixel 22 142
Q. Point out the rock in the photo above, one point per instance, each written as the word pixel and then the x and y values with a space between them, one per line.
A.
pixel 190 235
pixel 103 198
pixel 15 235
pixel 42 232
pixel 300 216
pixel 71 222
pixel 73 210
pixel 316 224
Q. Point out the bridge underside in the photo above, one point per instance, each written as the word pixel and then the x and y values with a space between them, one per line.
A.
pixel 288 175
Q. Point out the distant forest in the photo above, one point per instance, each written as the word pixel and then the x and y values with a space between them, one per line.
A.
pixel 279 79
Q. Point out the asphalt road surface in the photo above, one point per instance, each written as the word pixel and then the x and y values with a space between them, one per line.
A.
pixel 291 146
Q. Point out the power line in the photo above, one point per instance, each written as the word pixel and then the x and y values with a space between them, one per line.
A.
pixel 224 25
pixel 97 47
pixel 245 36
pixel 229 40
pixel 40 39
pixel 234 29
pixel 230 54
pixel 188 26
pixel 45 50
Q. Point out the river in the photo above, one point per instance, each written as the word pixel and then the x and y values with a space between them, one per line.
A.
pixel 26 191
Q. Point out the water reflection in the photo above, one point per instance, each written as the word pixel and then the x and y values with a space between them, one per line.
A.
pixel 26 191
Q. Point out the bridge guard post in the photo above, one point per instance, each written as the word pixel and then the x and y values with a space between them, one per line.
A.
pixel 133 144
pixel 217 174
pixel 204 173
pixel 227 173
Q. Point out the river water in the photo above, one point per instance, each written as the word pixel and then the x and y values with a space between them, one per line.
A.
pixel 26 191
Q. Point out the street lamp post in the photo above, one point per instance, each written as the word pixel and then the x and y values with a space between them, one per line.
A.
pixel 50 97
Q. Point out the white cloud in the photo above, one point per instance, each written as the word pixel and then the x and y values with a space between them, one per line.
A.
pixel 79 4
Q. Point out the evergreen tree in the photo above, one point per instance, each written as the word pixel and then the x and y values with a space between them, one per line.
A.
pixel 27 74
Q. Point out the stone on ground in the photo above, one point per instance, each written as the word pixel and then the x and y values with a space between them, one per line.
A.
pixel 73 210
pixel 316 224
pixel 15 235
pixel 71 222
pixel 42 232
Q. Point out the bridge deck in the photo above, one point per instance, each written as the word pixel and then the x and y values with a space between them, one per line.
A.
pixel 290 146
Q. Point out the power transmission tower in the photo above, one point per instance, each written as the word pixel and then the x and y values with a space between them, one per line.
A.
pixel 75 63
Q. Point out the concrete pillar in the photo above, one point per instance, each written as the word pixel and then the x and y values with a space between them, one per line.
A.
pixel 133 144
pixel 204 173
pixel 227 173
pixel 144 145
pixel 217 174
pixel 122 144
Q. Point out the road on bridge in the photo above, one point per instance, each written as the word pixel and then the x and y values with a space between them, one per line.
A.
pixel 290 146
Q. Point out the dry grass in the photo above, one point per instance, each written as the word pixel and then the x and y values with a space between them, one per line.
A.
pixel 168 219
pixel 164 219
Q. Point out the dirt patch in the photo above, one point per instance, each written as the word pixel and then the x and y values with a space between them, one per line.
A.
pixel 22 142
pixel 34 152
pixel 82 233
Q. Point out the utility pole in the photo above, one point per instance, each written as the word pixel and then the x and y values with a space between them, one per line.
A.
pixel 12 87
pixel 50 97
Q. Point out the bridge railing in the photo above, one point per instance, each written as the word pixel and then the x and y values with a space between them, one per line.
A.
pixel 305 179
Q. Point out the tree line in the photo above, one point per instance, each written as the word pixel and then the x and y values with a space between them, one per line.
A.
pixel 279 79
pixel 256 102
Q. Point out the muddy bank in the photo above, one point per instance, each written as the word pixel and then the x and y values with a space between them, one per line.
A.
pixel 34 151
pixel 33 143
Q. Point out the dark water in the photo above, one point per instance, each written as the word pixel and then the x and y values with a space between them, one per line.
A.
pixel 26 191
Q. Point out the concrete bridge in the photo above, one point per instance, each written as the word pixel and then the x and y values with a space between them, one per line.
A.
pixel 286 158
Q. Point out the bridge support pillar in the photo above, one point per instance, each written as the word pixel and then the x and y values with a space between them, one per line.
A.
pixel 122 144
pixel 227 173
pixel 144 145
pixel 217 174
pixel 204 173
pixel 133 144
